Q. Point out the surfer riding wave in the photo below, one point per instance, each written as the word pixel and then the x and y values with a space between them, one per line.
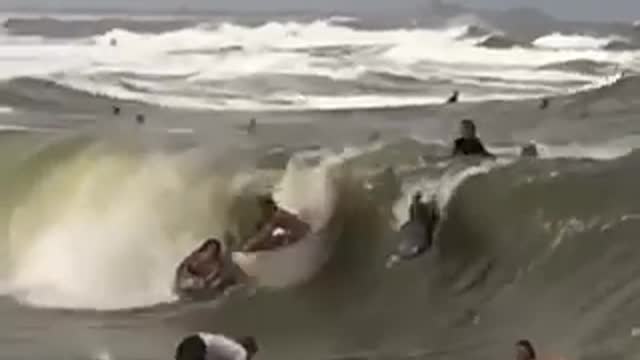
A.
pixel 418 233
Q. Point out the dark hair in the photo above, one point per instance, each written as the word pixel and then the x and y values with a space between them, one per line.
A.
pixel 526 344
pixel 212 242
pixel 191 348
pixel 267 200
pixel 468 122
pixel 249 344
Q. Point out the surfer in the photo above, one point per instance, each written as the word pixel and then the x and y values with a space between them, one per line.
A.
pixel 468 143
pixel 277 228
pixel 140 119
pixel 418 232
pixel 454 97
pixel 116 110
pixel 544 103
pixel 529 150
pixel 417 209
pixel 205 346
pixel 252 126
pixel 428 214
pixel 206 272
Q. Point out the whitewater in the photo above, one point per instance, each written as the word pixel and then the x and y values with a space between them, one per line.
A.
pixel 98 209
pixel 322 64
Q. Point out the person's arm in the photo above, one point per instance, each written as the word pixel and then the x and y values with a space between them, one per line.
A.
pixel 484 150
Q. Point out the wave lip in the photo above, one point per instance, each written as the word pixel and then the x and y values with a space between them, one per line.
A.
pixel 499 41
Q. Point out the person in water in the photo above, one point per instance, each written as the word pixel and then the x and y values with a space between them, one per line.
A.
pixel 426 213
pixel 276 228
pixel 544 103
pixel 205 346
pixel 529 150
pixel 454 97
pixel 417 209
pixel 468 143
pixel 426 217
pixel 206 271
pixel 252 126
pixel 525 351
pixel 268 208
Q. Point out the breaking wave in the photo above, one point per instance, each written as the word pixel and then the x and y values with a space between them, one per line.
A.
pixel 324 64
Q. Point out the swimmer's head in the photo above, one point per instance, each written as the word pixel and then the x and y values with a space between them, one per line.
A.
pixel 529 150
pixel 467 128
pixel 525 351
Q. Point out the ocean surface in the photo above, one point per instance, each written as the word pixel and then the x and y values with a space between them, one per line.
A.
pixel 97 209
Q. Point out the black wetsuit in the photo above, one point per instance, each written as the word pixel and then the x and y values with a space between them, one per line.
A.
pixel 470 146
pixel 418 211
pixel 427 215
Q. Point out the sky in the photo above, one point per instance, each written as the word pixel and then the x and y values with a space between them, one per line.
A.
pixel 623 10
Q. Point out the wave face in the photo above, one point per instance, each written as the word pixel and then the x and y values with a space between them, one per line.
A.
pixel 98 223
pixel 322 64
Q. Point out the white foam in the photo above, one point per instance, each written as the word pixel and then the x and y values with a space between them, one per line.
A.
pixel 576 41
pixel 201 70
pixel 106 232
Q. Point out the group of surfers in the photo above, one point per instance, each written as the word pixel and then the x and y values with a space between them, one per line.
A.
pixel 209 267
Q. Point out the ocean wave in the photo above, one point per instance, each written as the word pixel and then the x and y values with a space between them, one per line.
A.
pixel 87 202
pixel 580 42
pixel 583 66
pixel 283 66
pixel 500 42
pixel 473 31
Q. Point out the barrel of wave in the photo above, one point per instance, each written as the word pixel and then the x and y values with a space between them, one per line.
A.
pixel 104 229
pixel 308 190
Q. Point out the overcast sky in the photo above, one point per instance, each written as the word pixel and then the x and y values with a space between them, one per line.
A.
pixel 568 9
